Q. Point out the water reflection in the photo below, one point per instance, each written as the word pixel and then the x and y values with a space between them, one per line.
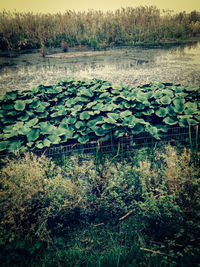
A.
pixel 178 64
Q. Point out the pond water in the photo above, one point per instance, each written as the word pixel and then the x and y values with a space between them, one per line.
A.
pixel 133 65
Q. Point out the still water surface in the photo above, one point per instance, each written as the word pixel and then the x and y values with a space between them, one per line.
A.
pixel 136 65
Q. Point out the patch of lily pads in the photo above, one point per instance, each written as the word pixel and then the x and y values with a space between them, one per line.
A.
pixel 85 110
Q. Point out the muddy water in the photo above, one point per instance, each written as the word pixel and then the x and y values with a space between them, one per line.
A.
pixel 136 65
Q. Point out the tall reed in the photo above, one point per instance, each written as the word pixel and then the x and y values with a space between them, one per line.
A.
pixel 125 26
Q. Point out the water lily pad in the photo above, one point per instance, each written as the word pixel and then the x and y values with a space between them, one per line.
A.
pixel 33 135
pixel 86 92
pixel 152 130
pixel 79 124
pixel 39 145
pixel 71 120
pixel 83 139
pixel 125 113
pixel 54 139
pixel 32 122
pixel 191 108
pixel 161 112
pixel 179 105
pixel 165 100
pixel 19 105
pixel 46 127
pixel 119 133
pixel 3 145
pixel 192 122
pixel 11 95
pixel 25 117
pixel 8 106
pixel 99 131
pixel 14 146
pixel 84 115
pixel 170 121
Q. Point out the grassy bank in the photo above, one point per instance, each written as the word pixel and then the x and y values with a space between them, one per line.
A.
pixel 142 210
pixel 127 26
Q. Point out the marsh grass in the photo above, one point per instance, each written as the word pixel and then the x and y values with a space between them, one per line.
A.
pixel 137 211
pixel 127 26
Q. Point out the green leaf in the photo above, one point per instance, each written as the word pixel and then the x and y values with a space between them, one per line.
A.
pixel 77 108
pixel 89 105
pixel 33 135
pixel 107 126
pixel 157 94
pixel 40 108
pixel 114 116
pixel 11 95
pixel 58 131
pixel 71 120
pixel 8 106
pixel 148 112
pixel 99 131
pixel 19 105
pixel 192 122
pixel 125 113
pixel 165 100
pixel 119 133
pixel 54 139
pixel 152 130
pixel 161 112
pixel 79 124
pixel 104 95
pixel 39 144
pixel 84 115
pixel 3 145
pixel 46 127
pixel 191 108
pixel 92 123
pixel 98 106
pixel 86 92
pixel 179 105
pixel 171 111
pixel 30 144
pixel 32 122
pixel 25 117
pixel 83 139
pixel 35 103
pixel 170 121
pixel 14 146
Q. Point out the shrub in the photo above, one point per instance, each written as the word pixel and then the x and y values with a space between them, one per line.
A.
pixel 149 202
pixel 33 195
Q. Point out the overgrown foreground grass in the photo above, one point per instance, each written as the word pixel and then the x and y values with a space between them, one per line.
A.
pixel 140 211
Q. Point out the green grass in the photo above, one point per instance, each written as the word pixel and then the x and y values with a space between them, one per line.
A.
pixel 141 210
pixel 96 29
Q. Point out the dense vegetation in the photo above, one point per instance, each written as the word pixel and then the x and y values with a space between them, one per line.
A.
pixel 84 110
pixel 137 211
pixel 127 26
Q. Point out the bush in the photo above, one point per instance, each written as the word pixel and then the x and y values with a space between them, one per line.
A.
pixel 147 203
pixel 33 195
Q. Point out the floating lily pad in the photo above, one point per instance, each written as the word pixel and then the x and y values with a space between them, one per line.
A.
pixel 33 135
pixel 165 100
pixel 161 112
pixel 84 115
pixel 3 145
pixel 83 139
pixel 19 105
pixel 170 121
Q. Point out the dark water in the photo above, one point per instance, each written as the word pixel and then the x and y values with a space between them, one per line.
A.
pixel 136 65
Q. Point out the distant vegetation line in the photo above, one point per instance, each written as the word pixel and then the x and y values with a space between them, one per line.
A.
pixel 127 26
